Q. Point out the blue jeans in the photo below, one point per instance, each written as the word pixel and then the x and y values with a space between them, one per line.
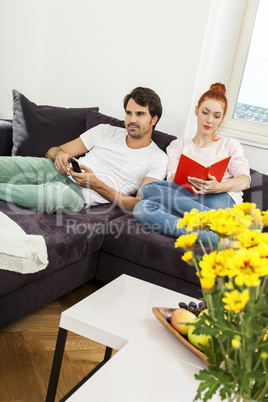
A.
pixel 35 183
pixel 164 203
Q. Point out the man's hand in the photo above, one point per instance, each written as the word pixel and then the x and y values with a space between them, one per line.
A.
pixel 62 162
pixel 60 158
pixel 85 179
pixel 61 155
pixel 88 179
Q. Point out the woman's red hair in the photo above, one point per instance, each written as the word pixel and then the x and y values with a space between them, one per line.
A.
pixel 217 92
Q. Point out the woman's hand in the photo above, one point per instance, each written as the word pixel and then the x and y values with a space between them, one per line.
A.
pixel 209 186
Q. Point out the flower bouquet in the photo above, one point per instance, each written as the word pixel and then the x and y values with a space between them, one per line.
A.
pixel 233 278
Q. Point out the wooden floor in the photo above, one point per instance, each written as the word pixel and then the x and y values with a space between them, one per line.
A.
pixel 27 349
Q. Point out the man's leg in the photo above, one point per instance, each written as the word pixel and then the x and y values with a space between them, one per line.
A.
pixel 49 197
pixel 26 170
pixel 35 183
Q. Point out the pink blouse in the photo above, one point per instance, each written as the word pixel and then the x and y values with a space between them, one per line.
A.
pixel 238 164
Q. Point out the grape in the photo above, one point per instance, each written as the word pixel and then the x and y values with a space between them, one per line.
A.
pixel 169 319
pixel 183 305
pixel 192 304
pixel 191 309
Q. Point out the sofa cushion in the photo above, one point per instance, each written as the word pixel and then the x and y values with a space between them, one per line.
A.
pixel 131 242
pixel 258 191
pixel 5 137
pixel 95 118
pixel 69 238
pixel 36 128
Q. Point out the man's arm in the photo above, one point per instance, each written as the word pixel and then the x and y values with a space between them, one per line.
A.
pixel 125 202
pixel 61 155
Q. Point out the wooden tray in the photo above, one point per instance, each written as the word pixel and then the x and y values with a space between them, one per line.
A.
pixel 162 313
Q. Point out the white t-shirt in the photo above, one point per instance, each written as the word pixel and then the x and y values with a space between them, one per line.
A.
pixel 237 166
pixel 120 167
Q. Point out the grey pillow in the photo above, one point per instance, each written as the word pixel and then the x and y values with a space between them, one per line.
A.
pixel 95 118
pixel 36 128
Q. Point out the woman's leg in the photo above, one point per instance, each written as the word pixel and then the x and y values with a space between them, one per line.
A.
pixel 164 202
pixel 159 219
pixel 178 200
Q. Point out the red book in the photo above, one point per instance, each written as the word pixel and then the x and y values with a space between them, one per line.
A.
pixel 193 167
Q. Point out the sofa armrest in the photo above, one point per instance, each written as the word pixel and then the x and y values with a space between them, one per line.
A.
pixel 5 137
pixel 258 191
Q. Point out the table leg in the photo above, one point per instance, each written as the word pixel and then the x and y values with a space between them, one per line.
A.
pixel 56 365
pixel 107 356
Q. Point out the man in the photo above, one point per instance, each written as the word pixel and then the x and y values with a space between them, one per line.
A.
pixel 116 164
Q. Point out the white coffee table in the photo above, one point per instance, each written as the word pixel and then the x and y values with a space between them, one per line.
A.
pixel 139 374
pixel 120 313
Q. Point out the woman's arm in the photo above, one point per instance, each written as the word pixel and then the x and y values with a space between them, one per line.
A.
pixel 212 186
pixel 236 177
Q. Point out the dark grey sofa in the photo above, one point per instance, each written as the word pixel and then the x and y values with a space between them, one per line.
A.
pixel 98 243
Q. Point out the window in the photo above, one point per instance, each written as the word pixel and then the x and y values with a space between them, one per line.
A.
pixel 248 84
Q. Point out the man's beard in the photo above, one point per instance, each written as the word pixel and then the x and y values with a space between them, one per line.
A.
pixel 134 134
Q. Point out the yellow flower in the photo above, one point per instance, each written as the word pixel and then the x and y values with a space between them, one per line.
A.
pixel 184 222
pixel 236 343
pixel 250 212
pixel 188 257
pixel 221 267
pixel 216 262
pixel 208 272
pixel 207 264
pixel 246 207
pixel 232 281
pixel 235 301
pixel 248 267
pixel 194 220
pixel 186 241
pixel 262 249
pixel 250 238
pixel 225 223
pixel 263 355
pixel 207 282
pixel 229 285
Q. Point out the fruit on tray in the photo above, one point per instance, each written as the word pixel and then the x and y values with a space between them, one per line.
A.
pixel 194 307
pixel 180 318
pixel 197 339
pixel 183 318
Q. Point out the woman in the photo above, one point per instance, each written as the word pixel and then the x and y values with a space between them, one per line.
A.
pixel 163 202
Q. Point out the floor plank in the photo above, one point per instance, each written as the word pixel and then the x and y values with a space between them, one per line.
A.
pixel 27 349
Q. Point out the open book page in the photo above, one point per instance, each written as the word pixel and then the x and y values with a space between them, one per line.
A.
pixel 191 166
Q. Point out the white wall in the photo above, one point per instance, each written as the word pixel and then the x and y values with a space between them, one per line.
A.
pixel 77 53
pixel 86 52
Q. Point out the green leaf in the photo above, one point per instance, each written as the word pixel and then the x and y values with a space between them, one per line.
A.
pixel 211 380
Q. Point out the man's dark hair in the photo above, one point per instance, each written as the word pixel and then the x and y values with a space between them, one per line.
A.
pixel 146 97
